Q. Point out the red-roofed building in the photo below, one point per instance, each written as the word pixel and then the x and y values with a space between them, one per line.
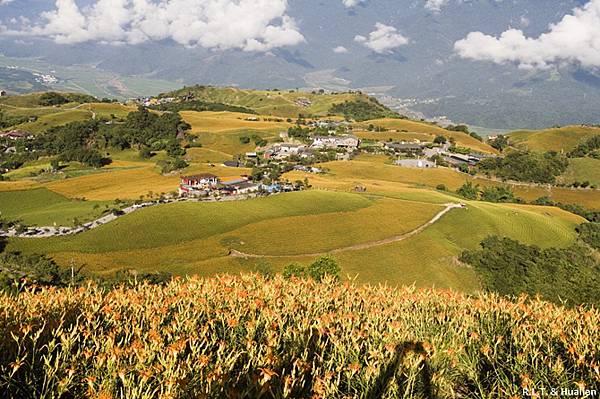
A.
pixel 198 185
pixel 16 134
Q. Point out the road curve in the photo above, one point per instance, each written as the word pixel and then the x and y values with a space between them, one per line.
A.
pixel 357 247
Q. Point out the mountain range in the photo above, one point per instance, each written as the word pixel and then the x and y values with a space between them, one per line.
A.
pixel 403 50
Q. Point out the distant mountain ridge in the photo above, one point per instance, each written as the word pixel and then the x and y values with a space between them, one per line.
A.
pixel 426 69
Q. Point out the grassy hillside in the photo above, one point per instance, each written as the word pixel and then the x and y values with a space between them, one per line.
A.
pixel 196 238
pixel 218 122
pixel 45 122
pixel 558 139
pixel 582 170
pixel 367 170
pixel 404 129
pixel 42 207
pixel 251 337
pixel 278 103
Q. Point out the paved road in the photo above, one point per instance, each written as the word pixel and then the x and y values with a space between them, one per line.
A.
pixel 357 247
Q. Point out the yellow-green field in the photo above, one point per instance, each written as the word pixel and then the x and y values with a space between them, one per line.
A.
pixel 196 238
pixel 582 170
pixel 47 121
pixel 42 207
pixel 559 139
pixel 404 129
pixel 367 170
pixel 217 122
pixel 278 103
pixel 123 184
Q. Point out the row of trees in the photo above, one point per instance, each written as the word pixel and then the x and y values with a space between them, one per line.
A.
pixel 526 166
pixel 363 110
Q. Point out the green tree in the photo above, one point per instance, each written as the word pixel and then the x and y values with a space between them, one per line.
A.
pixel 469 191
pixel 440 140
pixel 499 143
pixel 324 266
pixel 294 270
pixel 498 194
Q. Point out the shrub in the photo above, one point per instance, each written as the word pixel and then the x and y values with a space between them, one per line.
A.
pixel 265 269
pixel 324 266
pixel 469 191
pixel 294 270
pixel 498 194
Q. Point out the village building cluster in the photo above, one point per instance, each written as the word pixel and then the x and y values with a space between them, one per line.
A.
pixel 207 185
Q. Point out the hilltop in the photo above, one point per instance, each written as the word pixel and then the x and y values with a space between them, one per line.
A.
pixel 249 336
pixel 289 103
pixel 554 139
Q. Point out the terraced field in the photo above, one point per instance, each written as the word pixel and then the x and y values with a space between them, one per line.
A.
pixel 560 139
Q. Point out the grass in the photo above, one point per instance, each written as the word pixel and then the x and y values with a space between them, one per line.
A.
pixel 176 223
pixel 367 170
pixel 107 110
pixel 404 129
pixel 558 139
pixel 218 122
pixel 196 238
pixel 247 336
pixel 42 207
pixel 581 170
pixel 279 103
pixel 47 121
pixel 122 184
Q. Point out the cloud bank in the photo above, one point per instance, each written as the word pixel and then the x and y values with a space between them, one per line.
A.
pixel 383 39
pixel 249 25
pixel 574 40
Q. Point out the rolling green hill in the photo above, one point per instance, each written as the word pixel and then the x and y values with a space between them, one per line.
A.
pixel 196 238
pixel 582 170
pixel 42 207
pixel 555 139
pixel 279 103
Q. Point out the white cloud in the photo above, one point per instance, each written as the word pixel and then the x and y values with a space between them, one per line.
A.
pixel 383 39
pixel 3 2
pixel 435 5
pixel 250 25
pixel 573 40
pixel 352 3
pixel 340 50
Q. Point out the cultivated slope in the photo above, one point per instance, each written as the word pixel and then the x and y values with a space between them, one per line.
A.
pixel 250 337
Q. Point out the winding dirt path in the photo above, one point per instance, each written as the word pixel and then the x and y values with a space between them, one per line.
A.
pixel 357 247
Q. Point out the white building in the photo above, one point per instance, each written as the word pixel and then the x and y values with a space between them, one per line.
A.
pixel 347 142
